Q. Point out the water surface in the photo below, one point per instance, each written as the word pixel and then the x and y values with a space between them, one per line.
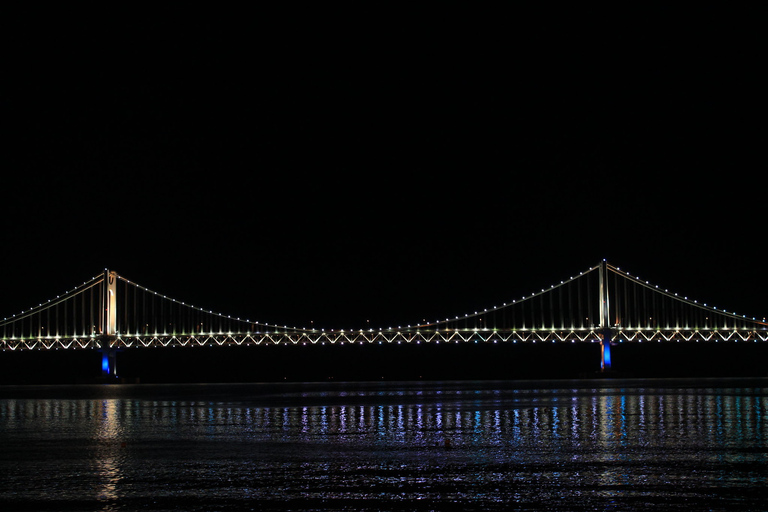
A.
pixel 562 445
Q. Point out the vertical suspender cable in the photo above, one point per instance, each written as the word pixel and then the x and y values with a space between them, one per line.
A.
pixel 645 307
pixel 551 309
pixel 625 283
pixel 75 323
pixel 570 304
pixel 82 313
pixel 66 318
pixel 578 297
pixel 616 299
pixel 589 303
pixel 636 307
pixel 90 322
pixel 163 326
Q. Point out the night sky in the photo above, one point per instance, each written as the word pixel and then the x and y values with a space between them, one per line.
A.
pixel 381 166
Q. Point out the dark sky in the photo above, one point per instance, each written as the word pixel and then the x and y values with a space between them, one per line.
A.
pixel 381 165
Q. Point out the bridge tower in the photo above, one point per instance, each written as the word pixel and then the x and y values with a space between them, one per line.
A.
pixel 109 325
pixel 605 319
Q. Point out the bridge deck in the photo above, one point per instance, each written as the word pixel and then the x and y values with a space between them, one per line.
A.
pixel 382 337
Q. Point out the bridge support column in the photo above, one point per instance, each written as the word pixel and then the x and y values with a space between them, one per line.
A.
pixel 605 319
pixel 605 350
pixel 109 326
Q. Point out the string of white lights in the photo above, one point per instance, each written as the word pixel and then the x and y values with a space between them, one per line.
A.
pixel 514 302
pixel 207 311
pixel 53 302
pixel 435 324
pixel 683 299
pixel 353 338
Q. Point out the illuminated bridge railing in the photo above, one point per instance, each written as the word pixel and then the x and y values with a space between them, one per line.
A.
pixel 382 337
pixel 580 309
pixel 438 337
pixel 71 320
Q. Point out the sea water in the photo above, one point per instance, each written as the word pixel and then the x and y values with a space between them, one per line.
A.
pixel 509 445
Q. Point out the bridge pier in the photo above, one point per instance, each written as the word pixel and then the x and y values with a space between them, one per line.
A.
pixel 605 350
pixel 108 363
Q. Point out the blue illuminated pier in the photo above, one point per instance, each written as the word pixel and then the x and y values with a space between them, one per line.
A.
pixel 108 362
pixel 605 354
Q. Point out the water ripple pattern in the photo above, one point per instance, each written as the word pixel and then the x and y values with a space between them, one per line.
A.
pixel 582 445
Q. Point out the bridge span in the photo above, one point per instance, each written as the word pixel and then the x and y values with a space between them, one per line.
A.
pixel 603 305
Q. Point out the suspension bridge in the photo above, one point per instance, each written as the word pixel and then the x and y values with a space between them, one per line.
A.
pixel 603 304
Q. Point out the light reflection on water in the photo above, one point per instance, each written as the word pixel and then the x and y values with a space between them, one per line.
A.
pixel 383 446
